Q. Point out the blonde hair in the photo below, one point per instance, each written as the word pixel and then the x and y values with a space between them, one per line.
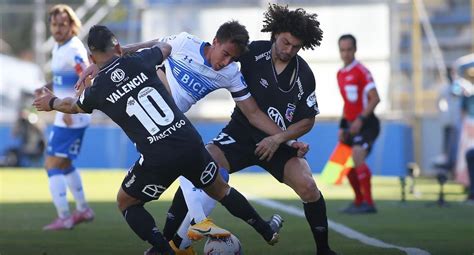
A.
pixel 73 19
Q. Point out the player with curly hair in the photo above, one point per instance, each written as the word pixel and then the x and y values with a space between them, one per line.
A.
pixel 283 85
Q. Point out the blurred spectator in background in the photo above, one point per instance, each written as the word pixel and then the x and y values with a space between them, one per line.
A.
pixel 467 79
pixel 27 146
pixel 449 103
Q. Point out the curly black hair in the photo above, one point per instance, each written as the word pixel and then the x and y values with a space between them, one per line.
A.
pixel 302 25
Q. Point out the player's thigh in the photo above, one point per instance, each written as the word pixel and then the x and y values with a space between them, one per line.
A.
pixel 218 155
pixel 298 175
pixel 52 162
pixel 359 152
pixel 124 200
pixel 235 147
pixel 199 168
pixel 146 183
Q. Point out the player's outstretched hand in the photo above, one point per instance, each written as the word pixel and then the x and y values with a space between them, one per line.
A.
pixel 41 102
pixel 92 71
pixel 302 147
pixel 266 148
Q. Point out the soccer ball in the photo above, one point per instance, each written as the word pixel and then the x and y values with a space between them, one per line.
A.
pixel 223 246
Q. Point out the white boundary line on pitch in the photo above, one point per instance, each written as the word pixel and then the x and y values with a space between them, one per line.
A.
pixel 339 228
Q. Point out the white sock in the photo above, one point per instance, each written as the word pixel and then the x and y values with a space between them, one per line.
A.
pixel 208 203
pixel 74 183
pixel 57 187
pixel 193 200
pixel 182 232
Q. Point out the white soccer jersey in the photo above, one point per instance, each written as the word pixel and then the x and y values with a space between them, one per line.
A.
pixel 67 62
pixel 191 77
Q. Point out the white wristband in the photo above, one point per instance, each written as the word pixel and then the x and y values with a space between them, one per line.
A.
pixel 290 142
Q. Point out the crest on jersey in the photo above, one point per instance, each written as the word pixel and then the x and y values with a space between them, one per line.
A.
pixel 117 75
pixel 290 111
pixel 275 115
pixel 264 83
pixel 311 100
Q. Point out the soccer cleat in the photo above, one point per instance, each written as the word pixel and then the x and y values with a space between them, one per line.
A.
pixel 206 228
pixel 349 209
pixel 84 216
pixel 276 223
pixel 187 251
pixel 363 208
pixel 60 224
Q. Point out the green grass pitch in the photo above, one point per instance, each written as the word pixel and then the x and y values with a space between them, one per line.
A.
pixel 25 207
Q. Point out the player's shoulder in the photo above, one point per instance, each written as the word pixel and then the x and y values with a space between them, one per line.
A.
pixel 361 68
pixel 76 43
pixel 258 50
pixel 230 71
pixel 189 38
pixel 304 67
pixel 262 45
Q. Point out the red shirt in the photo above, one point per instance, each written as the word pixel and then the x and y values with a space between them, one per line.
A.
pixel 354 81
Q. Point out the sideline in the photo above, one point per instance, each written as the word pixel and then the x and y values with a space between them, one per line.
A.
pixel 339 228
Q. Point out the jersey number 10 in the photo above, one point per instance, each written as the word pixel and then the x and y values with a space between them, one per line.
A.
pixel 147 113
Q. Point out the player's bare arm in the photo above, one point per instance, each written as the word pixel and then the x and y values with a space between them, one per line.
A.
pixel 164 47
pixel 267 147
pixel 92 70
pixel 47 101
pixel 372 100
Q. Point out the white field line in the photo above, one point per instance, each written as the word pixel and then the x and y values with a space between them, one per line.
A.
pixel 339 228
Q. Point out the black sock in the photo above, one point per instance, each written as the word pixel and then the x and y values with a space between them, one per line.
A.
pixel 240 207
pixel 177 240
pixel 176 215
pixel 143 224
pixel 315 213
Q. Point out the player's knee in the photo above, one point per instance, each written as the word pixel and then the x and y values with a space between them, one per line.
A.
pixel 308 191
pixel 217 190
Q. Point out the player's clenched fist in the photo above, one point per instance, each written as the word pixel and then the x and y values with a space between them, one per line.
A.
pixel 44 100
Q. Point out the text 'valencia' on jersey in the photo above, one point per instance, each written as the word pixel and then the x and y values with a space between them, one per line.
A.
pixel 129 91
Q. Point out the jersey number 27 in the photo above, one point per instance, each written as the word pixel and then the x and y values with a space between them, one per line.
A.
pixel 147 113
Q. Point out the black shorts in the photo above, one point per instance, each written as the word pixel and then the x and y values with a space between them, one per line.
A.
pixel 368 133
pixel 239 147
pixel 146 181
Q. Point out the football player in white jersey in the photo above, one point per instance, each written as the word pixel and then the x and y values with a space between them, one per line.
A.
pixel 69 58
pixel 194 69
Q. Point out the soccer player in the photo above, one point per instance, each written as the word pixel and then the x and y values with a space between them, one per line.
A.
pixel 194 69
pixel 128 90
pixel 359 127
pixel 68 61
pixel 283 86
